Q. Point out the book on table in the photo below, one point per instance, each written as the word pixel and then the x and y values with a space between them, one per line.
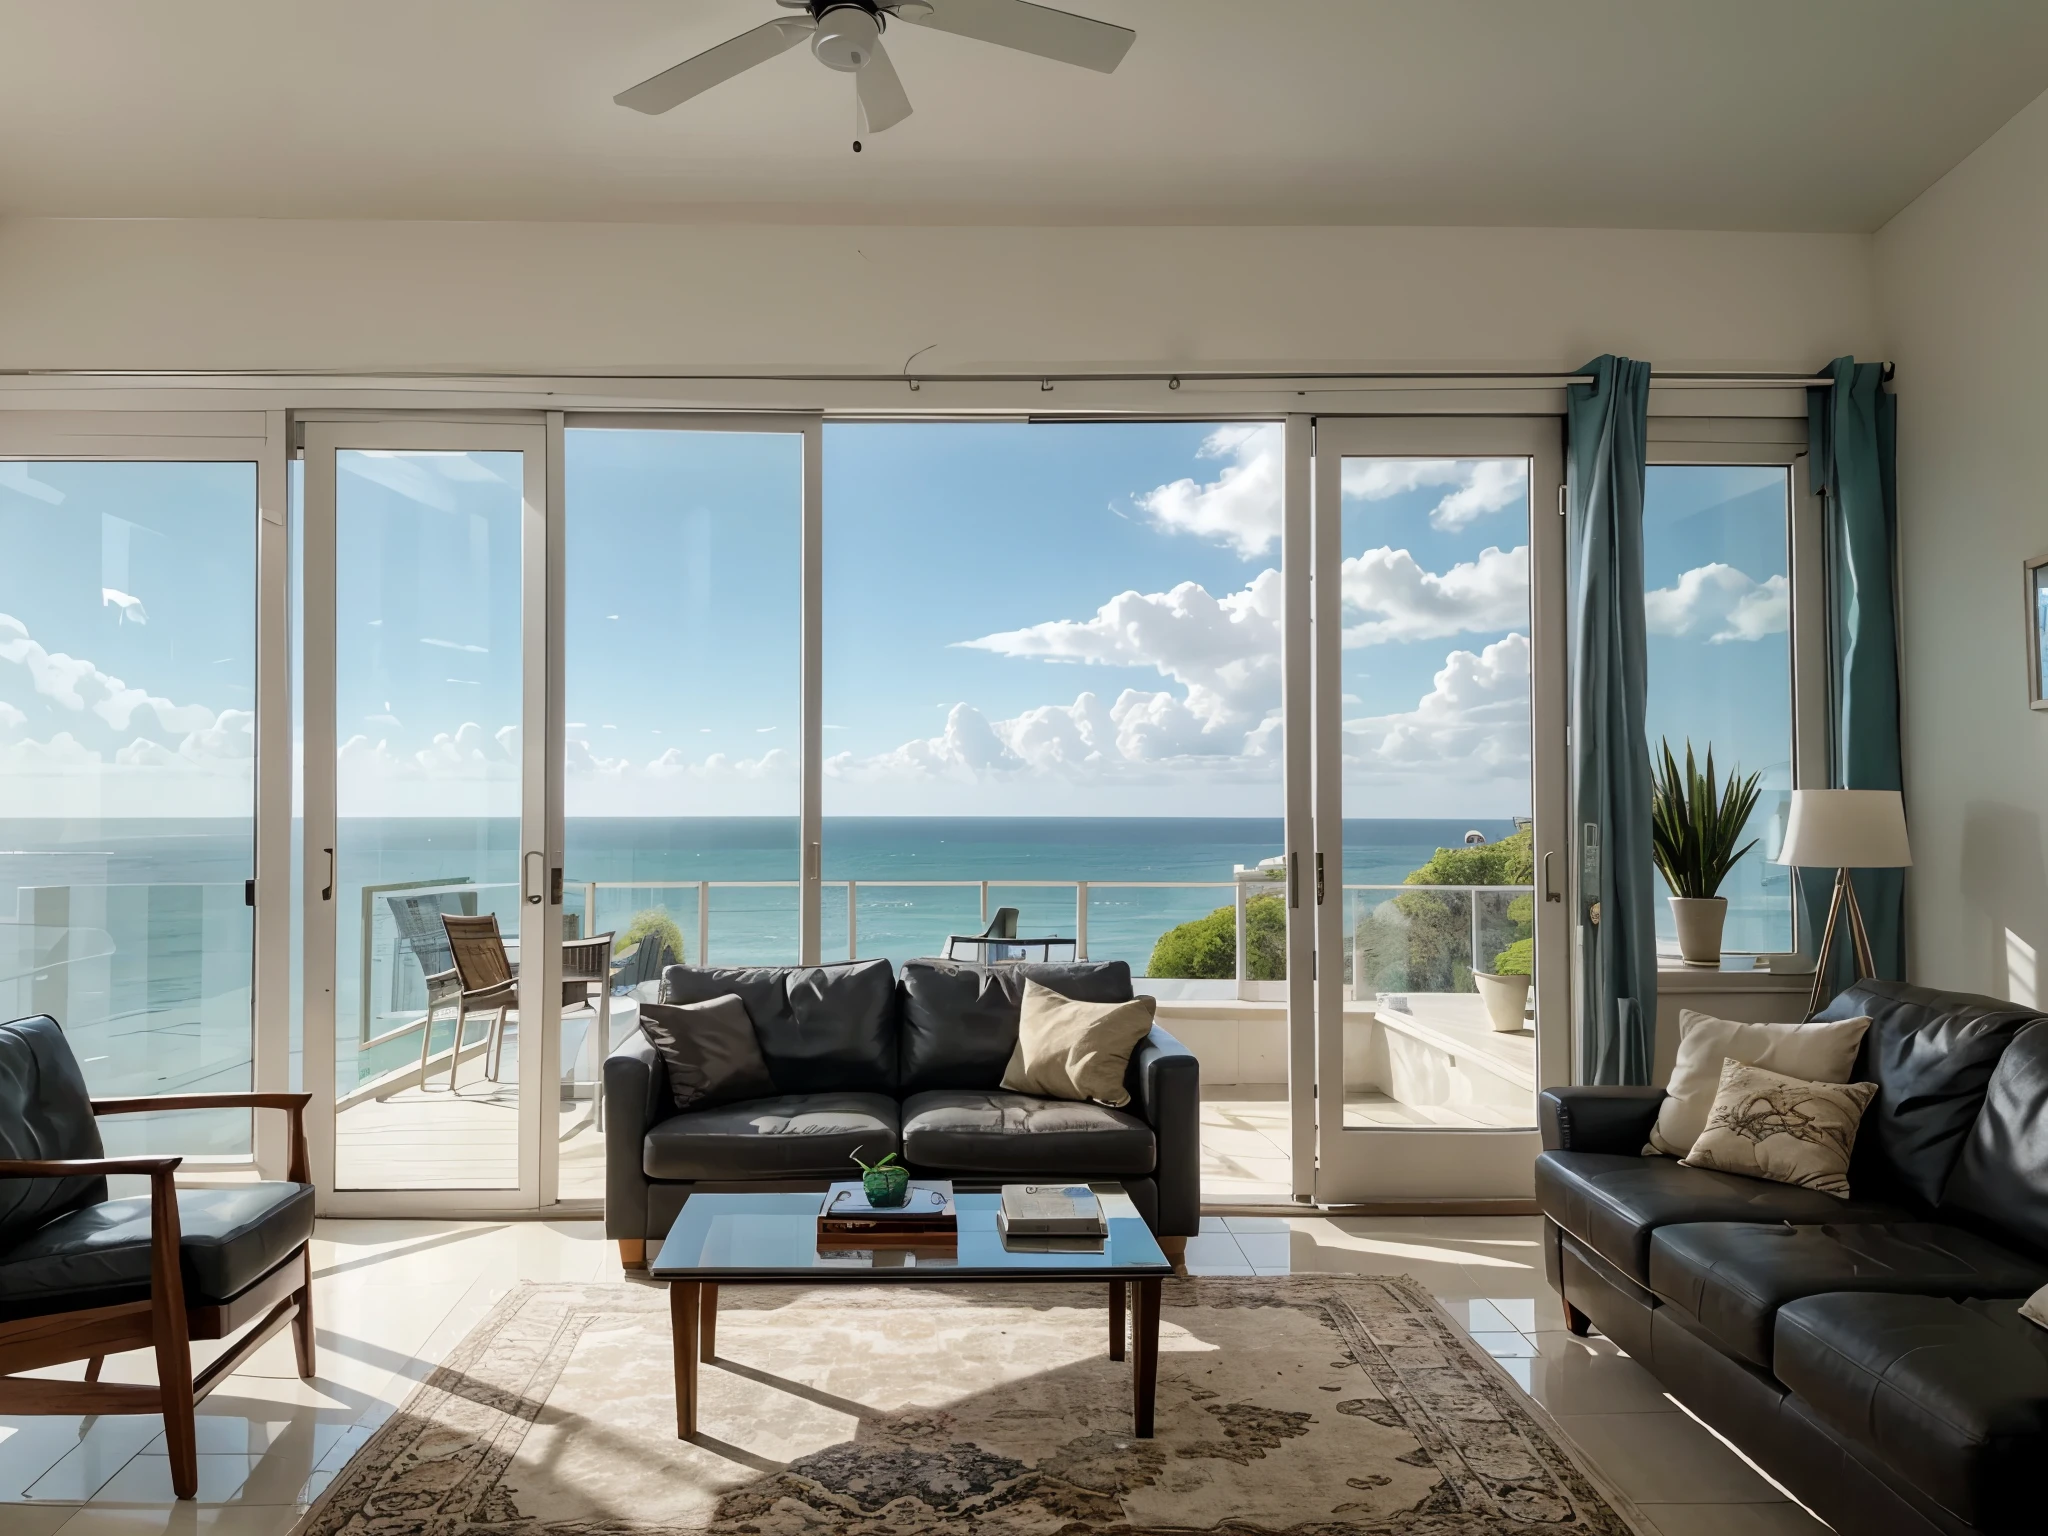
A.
pixel 928 1213
pixel 1050 1210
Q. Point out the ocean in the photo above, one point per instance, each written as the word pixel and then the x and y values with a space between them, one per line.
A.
pixel 135 935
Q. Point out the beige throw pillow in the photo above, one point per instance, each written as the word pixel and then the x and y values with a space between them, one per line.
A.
pixel 1816 1053
pixel 1770 1126
pixel 1074 1050
pixel 2035 1308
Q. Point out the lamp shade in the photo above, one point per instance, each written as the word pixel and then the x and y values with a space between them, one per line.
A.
pixel 1846 829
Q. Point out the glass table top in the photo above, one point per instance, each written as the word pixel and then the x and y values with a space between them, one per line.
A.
pixel 773 1236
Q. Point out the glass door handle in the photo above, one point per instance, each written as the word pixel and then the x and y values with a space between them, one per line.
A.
pixel 533 882
pixel 327 891
pixel 1548 893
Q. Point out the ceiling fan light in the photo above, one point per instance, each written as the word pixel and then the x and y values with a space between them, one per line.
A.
pixel 846 36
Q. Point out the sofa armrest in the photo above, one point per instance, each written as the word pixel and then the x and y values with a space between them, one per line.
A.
pixel 1166 1089
pixel 635 1099
pixel 1594 1119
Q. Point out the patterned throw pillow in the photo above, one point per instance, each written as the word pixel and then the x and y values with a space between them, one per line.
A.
pixel 1784 1129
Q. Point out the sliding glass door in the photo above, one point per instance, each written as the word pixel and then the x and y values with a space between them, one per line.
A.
pixel 684 641
pixel 128 678
pixel 1438 707
pixel 434 934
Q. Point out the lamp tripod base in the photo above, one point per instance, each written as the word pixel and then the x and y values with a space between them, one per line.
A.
pixel 1844 902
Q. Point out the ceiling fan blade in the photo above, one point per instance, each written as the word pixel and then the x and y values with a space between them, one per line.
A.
pixel 736 55
pixel 883 101
pixel 1030 28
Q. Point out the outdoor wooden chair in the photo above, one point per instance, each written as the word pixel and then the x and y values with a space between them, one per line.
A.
pixel 83 1277
pixel 486 981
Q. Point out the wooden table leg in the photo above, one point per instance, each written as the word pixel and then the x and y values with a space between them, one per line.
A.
pixel 1116 1320
pixel 708 1327
pixel 684 1307
pixel 1144 1355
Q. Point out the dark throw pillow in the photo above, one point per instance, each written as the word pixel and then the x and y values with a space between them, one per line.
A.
pixel 709 1049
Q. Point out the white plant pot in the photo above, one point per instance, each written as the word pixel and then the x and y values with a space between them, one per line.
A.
pixel 1699 920
pixel 1506 999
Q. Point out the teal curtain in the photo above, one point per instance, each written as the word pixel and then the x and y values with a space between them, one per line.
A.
pixel 1852 438
pixel 1606 424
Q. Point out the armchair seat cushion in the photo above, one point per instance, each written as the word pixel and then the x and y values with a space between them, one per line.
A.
pixel 1734 1276
pixel 791 1135
pixel 1952 1395
pixel 1615 1202
pixel 99 1255
pixel 972 1131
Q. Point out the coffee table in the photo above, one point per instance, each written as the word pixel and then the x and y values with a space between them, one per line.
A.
pixel 771 1239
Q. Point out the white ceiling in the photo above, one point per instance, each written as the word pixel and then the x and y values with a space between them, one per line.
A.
pixel 1734 114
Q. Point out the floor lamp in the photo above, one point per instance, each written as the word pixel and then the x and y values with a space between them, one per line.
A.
pixel 1845 829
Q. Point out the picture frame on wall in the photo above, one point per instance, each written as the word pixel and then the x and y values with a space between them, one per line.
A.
pixel 2037 632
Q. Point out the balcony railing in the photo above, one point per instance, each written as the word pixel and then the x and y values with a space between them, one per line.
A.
pixel 391 998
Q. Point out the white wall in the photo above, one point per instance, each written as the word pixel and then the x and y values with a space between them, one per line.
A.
pixel 1963 281
pixel 543 297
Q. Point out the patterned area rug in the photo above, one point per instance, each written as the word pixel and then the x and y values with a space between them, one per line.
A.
pixel 1304 1404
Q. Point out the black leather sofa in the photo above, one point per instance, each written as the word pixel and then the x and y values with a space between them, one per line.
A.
pixel 866 1060
pixel 1869 1352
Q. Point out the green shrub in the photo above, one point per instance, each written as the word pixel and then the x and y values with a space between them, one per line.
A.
pixel 1518 959
pixel 1422 942
pixel 656 923
pixel 1206 948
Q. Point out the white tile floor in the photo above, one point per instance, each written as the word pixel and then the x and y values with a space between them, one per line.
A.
pixel 393 1296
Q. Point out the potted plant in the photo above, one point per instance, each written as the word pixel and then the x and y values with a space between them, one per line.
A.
pixel 1694 825
pixel 1505 989
pixel 885 1181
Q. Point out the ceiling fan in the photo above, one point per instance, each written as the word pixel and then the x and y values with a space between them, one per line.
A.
pixel 846 35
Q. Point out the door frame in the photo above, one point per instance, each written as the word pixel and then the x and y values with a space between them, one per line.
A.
pixel 540 794
pixel 1358 1165
pixel 224 436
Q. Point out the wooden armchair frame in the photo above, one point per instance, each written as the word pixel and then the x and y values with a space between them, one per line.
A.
pixel 164 1322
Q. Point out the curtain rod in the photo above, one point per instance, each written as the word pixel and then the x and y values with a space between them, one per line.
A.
pixel 1476 378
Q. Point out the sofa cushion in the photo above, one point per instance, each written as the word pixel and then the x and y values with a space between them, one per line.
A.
pixel 793 1135
pixel 970 1131
pixel 1067 1049
pixel 822 1028
pixel 709 1051
pixel 99 1255
pixel 1733 1276
pixel 960 1021
pixel 1613 1202
pixel 45 1112
pixel 1952 1396
pixel 1823 1051
pixel 1931 1055
pixel 2001 1180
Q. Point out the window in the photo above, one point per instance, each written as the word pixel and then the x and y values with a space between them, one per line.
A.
pixel 683 624
pixel 1052 664
pixel 127 788
pixel 1719 602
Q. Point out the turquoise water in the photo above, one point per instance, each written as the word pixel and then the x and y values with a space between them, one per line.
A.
pixel 133 933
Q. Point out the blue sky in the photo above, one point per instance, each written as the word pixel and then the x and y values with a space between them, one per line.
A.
pixel 1074 619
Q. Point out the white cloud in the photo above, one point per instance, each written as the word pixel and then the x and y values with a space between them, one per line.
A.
pixel 1722 599
pixel 1241 506
pixel 1472 724
pixel 1224 651
pixel 1474 487
pixel 130 606
pixel 1394 598
pixel 74 684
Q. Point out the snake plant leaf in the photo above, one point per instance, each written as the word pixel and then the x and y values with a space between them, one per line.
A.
pixel 1696 821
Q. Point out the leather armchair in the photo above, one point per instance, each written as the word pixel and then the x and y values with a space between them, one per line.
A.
pixel 83 1276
